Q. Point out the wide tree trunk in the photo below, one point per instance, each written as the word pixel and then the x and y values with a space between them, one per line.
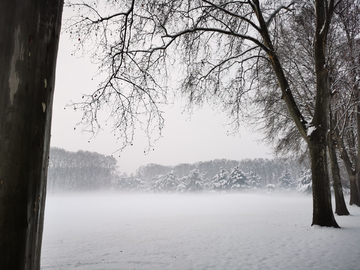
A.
pixel 340 205
pixel 322 209
pixel 29 31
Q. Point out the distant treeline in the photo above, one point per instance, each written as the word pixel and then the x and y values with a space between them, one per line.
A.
pixel 219 176
pixel 223 181
pixel 82 170
pixel 269 170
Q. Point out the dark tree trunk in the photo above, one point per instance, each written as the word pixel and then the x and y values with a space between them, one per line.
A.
pixel 357 159
pixel 340 205
pixel 29 31
pixel 322 209
pixel 354 191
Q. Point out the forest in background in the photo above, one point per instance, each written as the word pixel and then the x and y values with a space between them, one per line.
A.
pixel 85 171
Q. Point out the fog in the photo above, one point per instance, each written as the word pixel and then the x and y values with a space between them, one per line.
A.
pixel 191 231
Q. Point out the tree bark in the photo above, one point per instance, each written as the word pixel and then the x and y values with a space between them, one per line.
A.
pixel 322 208
pixel 357 162
pixel 340 205
pixel 29 31
pixel 354 193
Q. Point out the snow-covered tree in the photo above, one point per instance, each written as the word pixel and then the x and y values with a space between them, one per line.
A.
pixel 285 181
pixel 305 183
pixel 182 185
pixel 220 180
pixel 130 183
pixel 237 179
pixel 138 183
pixel 254 180
pixel 195 181
pixel 165 183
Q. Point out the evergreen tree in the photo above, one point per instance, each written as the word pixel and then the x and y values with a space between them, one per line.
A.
pixel 237 179
pixel 165 183
pixel 195 181
pixel 182 185
pixel 220 180
pixel 137 183
pixel 285 181
pixel 305 183
pixel 254 180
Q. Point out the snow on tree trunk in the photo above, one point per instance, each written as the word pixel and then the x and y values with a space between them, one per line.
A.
pixel 28 49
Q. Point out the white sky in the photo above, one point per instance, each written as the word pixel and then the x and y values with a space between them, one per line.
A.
pixel 185 140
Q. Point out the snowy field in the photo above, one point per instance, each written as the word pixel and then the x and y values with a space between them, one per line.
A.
pixel 227 231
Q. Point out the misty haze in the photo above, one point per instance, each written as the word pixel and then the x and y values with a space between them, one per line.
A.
pixel 221 214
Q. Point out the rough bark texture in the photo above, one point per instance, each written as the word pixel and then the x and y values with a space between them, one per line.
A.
pixel 340 205
pixel 29 31
pixel 322 208
pixel 354 193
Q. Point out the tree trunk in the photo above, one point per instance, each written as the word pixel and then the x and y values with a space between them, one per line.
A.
pixel 356 90
pixel 322 208
pixel 29 31
pixel 354 192
pixel 340 205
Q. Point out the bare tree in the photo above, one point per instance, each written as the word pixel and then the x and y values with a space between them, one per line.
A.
pixel 219 44
pixel 340 205
pixel 28 50
pixel 295 47
pixel 346 93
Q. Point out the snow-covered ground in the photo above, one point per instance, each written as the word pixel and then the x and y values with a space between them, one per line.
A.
pixel 213 231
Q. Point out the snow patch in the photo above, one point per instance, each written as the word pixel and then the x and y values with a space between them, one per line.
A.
pixel 18 54
pixel 43 106
pixel 310 130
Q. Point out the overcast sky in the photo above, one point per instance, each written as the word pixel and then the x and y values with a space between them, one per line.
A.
pixel 201 137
